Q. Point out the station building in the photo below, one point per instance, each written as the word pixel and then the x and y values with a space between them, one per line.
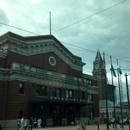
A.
pixel 41 78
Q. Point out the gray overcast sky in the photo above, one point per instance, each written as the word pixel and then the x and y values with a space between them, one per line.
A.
pixel 107 31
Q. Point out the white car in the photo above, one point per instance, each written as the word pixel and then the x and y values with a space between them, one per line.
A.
pixel 125 121
pixel 112 120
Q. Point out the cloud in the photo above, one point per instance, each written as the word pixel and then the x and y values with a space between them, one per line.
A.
pixel 3 17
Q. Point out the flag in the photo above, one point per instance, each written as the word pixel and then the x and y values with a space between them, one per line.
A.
pixel 119 70
pixel 104 63
pixel 113 70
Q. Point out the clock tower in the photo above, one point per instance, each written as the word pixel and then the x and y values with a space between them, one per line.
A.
pixel 99 72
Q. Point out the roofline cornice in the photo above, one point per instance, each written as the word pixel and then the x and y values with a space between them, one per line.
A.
pixel 44 46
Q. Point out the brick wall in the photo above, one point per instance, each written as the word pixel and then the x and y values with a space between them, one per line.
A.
pixel 41 61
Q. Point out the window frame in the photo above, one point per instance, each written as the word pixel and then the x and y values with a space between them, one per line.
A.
pixel 89 82
pixel 90 97
pixel 39 89
pixel 57 92
pixel 21 88
pixel 69 94
pixel 83 95
pixel 91 113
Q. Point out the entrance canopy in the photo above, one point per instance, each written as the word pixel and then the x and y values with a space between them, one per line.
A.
pixel 61 102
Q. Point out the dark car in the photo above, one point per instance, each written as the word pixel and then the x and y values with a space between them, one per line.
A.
pixel 1 127
pixel 117 121
pixel 127 121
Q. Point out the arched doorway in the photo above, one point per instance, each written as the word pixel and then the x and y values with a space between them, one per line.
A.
pixel 70 117
pixel 56 117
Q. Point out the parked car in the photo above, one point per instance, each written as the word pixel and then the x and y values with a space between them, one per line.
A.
pixel 125 121
pixel 1 127
pixel 113 120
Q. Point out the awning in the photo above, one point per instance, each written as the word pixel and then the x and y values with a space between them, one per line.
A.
pixel 61 102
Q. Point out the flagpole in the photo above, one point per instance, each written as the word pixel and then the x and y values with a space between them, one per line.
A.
pixel 113 95
pixel 111 70
pixel 107 125
pixel 50 21
pixel 120 97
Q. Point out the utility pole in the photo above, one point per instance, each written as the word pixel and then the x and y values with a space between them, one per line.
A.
pixel 127 95
pixel 122 126
pixel 105 85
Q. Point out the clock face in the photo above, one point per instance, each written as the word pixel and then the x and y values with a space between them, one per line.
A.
pixel 96 66
pixel 52 60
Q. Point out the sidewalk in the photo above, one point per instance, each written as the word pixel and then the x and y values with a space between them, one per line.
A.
pixel 89 127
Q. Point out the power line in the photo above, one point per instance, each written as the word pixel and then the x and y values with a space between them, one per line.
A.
pixel 18 28
pixel 79 47
pixel 96 52
pixel 90 16
pixel 116 57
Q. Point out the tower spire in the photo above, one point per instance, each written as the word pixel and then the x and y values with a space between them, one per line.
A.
pixel 98 55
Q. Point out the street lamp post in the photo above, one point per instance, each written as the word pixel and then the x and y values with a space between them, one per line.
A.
pixel 127 95
pixel 114 108
pixel 79 79
pixel 107 118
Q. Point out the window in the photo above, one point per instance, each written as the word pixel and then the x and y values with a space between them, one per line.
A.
pixel 83 95
pixel 83 114
pixel 21 88
pixel 69 94
pixel 20 114
pixel 52 60
pixel 91 114
pixel 56 92
pixel 90 97
pixel 89 82
pixel 41 91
